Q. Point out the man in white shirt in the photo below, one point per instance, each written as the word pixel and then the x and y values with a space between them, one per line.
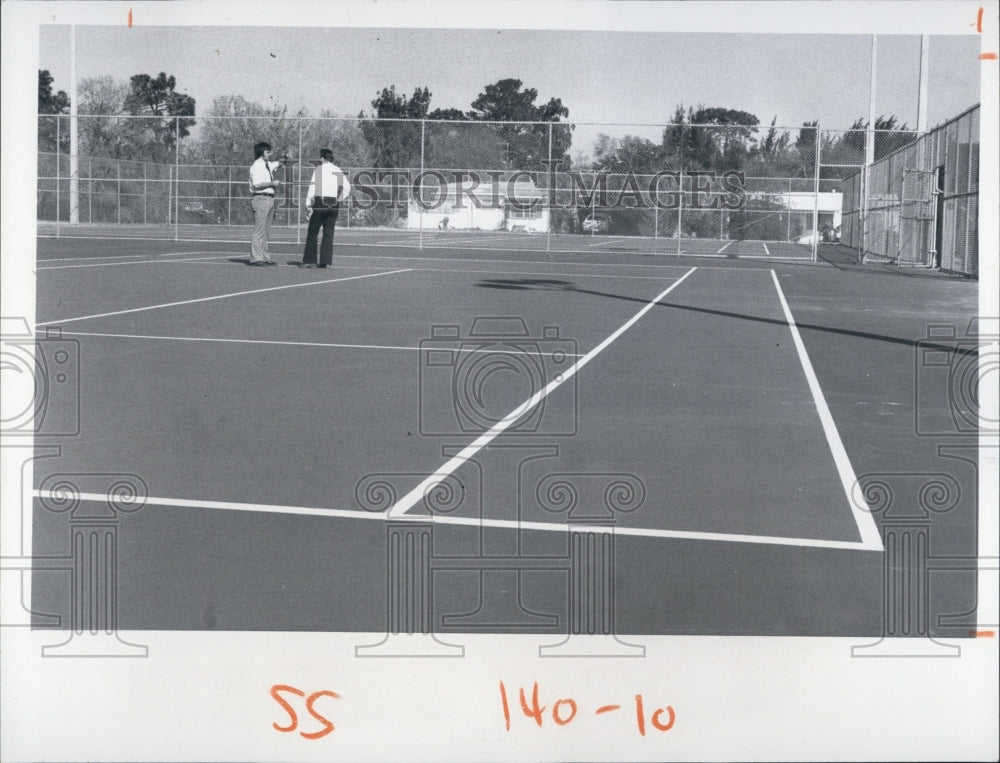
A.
pixel 329 186
pixel 263 186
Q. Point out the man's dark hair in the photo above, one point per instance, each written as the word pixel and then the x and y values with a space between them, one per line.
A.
pixel 326 154
pixel 260 148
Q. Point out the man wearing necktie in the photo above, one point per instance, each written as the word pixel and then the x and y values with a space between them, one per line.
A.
pixel 262 187
pixel 328 187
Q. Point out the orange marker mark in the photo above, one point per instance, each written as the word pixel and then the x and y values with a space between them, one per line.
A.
pixel 979 20
pixel 607 709
pixel 558 717
pixel 288 708
pixel 987 56
pixel 659 713
pixel 535 711
pixel 506 707
pixel 982 634
pixel 130 17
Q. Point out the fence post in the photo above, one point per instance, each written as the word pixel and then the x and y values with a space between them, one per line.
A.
pixel 298 191
pixel 177 177
pixel 420 192
pixel 229 198
pixel 551 195
pixel 788 212
pixel 90 191
pixel 58 171
pixel 815 244
pixel 145 198
pixel 118 190
pixel 680 205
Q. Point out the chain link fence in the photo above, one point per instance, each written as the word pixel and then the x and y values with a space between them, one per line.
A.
pixel 721 190
pixel 918 202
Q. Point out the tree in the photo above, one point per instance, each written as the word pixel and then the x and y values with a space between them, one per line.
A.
pixel 102 95
pixel 110 135
pixel 709 138
pixel 396 144
pixel 891 136
pixel 720 139
pixel 236 125
pixel 50 103
pixel 774 156
pixel 452 115
pixel 156 97
pixel 629 155
pixel 850 147
pixel 805 144
pixel 526 145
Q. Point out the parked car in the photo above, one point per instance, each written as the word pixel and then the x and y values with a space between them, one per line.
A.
pixel 598 223
pixel 196 212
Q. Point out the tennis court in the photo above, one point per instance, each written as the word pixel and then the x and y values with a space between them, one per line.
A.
pixel 715 410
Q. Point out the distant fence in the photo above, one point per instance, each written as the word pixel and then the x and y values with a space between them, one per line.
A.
pixel 186 178
pixel 919 206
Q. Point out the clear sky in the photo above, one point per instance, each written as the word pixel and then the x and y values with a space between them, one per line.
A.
pixel 601 76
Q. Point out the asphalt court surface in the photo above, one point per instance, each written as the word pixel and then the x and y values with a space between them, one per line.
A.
pixel 320 396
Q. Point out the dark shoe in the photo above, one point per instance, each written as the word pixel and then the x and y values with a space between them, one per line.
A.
pixel 257 264
pixel 307 264
pixel 323 266
pixel 270 262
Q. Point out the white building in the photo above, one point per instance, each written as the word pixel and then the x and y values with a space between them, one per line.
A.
pixel 498 206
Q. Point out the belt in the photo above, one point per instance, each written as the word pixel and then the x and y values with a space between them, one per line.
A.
pixel 264 194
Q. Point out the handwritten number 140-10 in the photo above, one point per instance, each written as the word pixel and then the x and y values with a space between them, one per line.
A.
pixel 565 710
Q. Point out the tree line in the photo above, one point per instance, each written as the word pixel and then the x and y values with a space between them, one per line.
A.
pixel 503 128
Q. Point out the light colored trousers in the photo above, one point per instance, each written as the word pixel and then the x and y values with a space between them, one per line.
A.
pixel 263 215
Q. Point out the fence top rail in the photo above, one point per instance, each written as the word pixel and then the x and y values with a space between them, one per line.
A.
pixel 488 122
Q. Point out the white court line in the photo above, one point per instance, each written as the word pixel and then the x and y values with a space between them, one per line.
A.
pixel 803 258
pixel 267 508
pixel 701 254
pixel 124 256
pixel 410 499
pixel 549 273
pixel 725 247
pixel 766 250
pixel 221 296
pixel 493 351
pixel 140 262
pixel 870 536
pixel 613 240
pixel 368 257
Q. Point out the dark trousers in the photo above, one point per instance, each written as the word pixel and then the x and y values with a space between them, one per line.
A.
pixel 324 217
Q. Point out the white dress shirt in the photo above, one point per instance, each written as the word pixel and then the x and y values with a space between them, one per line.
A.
pixel 328 180
pixel 259 173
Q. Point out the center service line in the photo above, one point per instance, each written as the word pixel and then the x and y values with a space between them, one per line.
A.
pixel 221 296
pixel 409 500
pixel 870 536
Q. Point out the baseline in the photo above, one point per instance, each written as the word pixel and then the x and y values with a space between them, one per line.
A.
pixel 289 343
pixel 221 296
pixel 267 508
